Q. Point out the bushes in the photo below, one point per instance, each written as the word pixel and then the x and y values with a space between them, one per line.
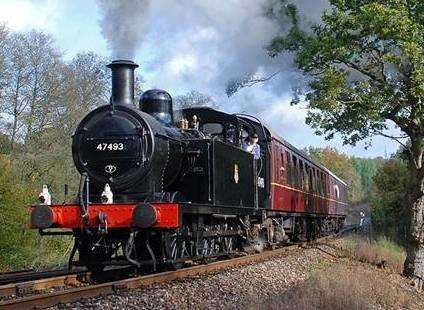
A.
pixel 21 247
pixel 357 172
pixel 381 252
pixel 390 200
pixel 341 287
pixel 343 167
pixel 347 284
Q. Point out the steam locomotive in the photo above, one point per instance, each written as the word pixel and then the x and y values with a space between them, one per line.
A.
pixel 161 187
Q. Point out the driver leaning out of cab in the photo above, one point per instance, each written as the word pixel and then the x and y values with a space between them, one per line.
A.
pixel 251 145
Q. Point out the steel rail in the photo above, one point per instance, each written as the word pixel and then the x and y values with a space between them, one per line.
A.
pixel 69 295
pixel 29 275
pixel 44 300
pixel 27 287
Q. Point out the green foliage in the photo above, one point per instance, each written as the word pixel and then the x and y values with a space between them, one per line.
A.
pixel 5 147
pixel 43 98
pixel 21 247
pixel 366 168
pixel 389 214
pixel 343 167
pixel 382 183
pixel 366 61
pixel 357 172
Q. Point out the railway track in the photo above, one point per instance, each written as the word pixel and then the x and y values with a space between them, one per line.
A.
pixel 30 275
pixel 70 288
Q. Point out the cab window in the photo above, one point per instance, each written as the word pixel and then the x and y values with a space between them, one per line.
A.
pixel 213 129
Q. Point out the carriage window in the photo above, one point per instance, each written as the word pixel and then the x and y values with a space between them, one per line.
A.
pixel 289 169
pixel 213 128
pixel 336 191
pixel 327 181
pixel 295 172
pixel 324 184
pixel 282 167
pixel 301 179
pixel 306 177
pixel 318 182
pixel 324 177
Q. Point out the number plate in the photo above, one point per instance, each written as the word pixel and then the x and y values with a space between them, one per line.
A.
pixel 108 147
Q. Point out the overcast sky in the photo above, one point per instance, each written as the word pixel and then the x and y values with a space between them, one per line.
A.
pixel 182 45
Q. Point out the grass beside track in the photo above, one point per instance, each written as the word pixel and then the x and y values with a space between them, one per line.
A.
pixel 367 276
pixel 344 287
pixel 380 252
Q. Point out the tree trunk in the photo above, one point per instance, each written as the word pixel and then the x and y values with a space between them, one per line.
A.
pixel 15 115
pixel 414 263
pixel 32 107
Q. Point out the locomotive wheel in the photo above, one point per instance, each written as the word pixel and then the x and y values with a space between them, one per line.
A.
pixel 229 244
pixel 209 248
pixel 259 243
pixel 175 249
pixel 256 240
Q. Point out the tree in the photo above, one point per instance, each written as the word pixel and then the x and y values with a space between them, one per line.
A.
pixel 365 62
pixel 391 186
pixel 367 169
pixel 3 73
pixel 194 99
pixel 42 99
pixel 343 167
pixel 33 83
pixel 85 85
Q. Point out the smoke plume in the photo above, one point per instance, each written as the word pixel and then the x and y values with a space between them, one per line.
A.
pixel 123 25
pixel 184 45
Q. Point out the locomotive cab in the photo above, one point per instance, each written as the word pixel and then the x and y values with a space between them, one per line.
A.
pixel 224 173
pixel 213 124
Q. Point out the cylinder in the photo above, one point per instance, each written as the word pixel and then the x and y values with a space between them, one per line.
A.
pixel 122 81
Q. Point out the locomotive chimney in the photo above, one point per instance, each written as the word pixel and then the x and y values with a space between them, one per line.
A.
pixel 122 81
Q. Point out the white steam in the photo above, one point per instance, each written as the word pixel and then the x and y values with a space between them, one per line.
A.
pixel 184 45
pixel 123 25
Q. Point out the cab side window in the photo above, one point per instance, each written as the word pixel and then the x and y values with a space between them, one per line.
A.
pixel 213 130
pixel 231 134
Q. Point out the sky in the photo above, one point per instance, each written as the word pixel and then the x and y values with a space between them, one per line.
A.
pixel 182 45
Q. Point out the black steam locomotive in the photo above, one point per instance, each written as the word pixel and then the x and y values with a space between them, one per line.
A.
pixel 160 187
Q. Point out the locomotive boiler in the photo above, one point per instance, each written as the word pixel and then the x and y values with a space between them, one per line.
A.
pixel 161 187
pixel 134 150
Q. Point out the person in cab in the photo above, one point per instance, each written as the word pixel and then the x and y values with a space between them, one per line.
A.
pixel 252 146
